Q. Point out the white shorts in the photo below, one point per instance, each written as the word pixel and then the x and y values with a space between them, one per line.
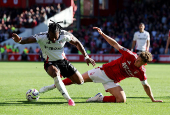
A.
pixel 98 76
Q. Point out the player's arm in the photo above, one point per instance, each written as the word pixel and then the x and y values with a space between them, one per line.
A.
pixel 133 42
pixel 24 40
pixel 148 91
pixel 147 45
pixel 167 45
pixel 80 47
pixel 148 42
pixel 111 41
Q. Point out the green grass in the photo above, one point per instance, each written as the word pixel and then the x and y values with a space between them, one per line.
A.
pixel 17 77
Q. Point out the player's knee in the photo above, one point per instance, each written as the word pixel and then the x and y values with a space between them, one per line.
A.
pixel 55 73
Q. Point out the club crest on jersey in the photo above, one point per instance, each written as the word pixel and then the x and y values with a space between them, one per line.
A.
pixel 60 41
pixel 136 72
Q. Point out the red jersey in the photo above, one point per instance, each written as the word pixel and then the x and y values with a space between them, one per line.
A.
pixel 124 67
pixel 169 34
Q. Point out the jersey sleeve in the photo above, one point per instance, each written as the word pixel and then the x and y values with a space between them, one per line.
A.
pixel 126 52
pixel 68 36
pixel 148 36
pixel 39 36
pixel 36 37
pixel 169 34
pixel 135 37
pixel 142 76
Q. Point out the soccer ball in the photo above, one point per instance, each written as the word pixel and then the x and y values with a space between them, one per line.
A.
pixel 32 95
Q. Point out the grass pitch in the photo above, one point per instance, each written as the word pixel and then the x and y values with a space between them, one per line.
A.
pixel 17 77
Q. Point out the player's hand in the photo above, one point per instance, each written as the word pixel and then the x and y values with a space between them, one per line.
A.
pixel 99 30
pixel 15 37
pixel 166 50
pixel 157 101
pixel 90 60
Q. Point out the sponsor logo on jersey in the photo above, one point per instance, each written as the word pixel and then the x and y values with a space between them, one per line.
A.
pixel 129 62
pixel 124 65
pixel 52 48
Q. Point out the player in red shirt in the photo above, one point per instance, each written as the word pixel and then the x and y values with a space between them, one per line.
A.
pixel 167 44
pixel 109 74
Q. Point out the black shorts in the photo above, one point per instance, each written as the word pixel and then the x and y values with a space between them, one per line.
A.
pixel 65 67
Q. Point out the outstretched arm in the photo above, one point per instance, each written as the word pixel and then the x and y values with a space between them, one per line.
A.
pixel 148 91
pixel 80 47
pixel 24 40
pixel 110 40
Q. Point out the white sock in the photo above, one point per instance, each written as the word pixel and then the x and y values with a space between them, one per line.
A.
pixel 61 87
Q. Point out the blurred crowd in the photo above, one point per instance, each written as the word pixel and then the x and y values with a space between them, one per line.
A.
pixel 16 20
pixel 123 24
pixel 6 49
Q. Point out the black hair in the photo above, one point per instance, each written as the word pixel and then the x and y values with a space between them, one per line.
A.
pixel 54 27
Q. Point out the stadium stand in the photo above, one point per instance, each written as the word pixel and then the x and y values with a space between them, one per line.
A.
pixel 17 19
pixel 120 26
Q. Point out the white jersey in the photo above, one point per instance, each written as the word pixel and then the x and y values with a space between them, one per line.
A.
pixel 141 40
pixel 53 51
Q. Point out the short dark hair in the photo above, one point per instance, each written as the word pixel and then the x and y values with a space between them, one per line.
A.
pixel 54 27
pixel 146 56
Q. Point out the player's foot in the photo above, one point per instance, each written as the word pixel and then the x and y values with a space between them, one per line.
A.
pixel 71 102
pixel 46 88
pixel 43 89
pixel 97 97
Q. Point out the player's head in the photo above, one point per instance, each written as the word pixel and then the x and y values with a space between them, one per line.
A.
pixel 143 58
pixel 141 26
pixel 54 30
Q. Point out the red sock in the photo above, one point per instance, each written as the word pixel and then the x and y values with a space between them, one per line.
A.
pixel 109 99
pixel 67 81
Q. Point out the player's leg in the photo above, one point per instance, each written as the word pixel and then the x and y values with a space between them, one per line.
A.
pixel 77 78
pixel 55 74
pixel 66 82
pixel 118 95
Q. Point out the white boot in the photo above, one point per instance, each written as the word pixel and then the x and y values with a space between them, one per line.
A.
pixel 47 88
pixel 98 97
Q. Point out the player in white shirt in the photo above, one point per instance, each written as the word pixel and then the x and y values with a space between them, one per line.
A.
pixel 52 46
pixel 141 39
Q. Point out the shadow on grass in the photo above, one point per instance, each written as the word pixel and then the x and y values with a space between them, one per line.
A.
pixel 63 98
pixel 163 97
pixel 27 103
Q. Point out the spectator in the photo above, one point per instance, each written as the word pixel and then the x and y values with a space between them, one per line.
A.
pixel 24 56
pixel 30 50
